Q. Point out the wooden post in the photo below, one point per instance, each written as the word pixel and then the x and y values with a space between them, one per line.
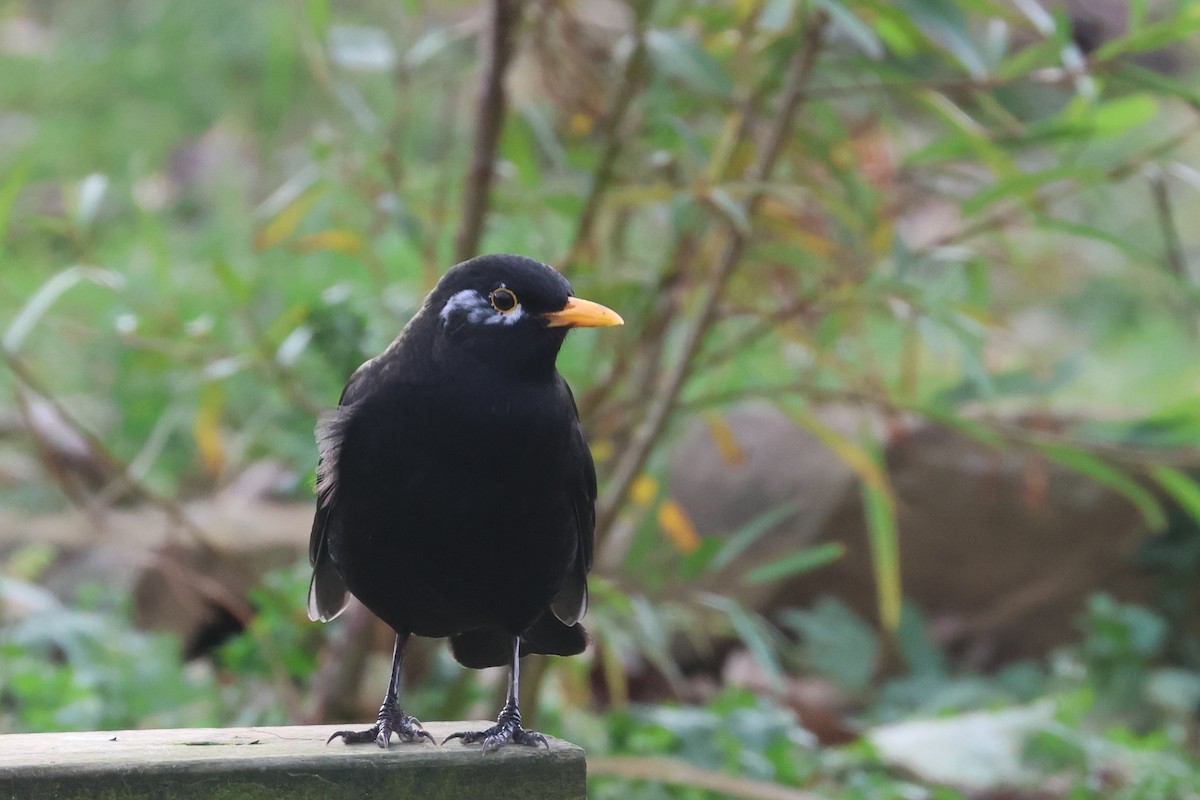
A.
pixel 290 763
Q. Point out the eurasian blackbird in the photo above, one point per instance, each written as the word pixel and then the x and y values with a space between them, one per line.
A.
pixel 455 488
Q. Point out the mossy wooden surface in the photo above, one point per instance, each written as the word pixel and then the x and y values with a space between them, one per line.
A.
pixel 273 763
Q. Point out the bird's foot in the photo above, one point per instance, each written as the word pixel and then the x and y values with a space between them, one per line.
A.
pixel 507 730
pixel 391 720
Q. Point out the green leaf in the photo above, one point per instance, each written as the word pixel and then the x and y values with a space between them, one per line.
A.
pixel 737 542
pixel 968 137
pixel 836 642
pixel 1152 37
pixel 729 209
pixel 1182 488
pixel 293 208
pixel 1039 54
pixel 802 561
pixel 1124 113
pixel 1128 248
pixel 431 45
pixel 518 147
pixel 964 425
pixel 944 23
pixel 1026 185
pixel 854 28
pixel 777 15
pixel 702 557
pixel 318 16
pixel 49 293
pixel 883 536
pixel 753 631
pixel 1020 382
pixel 896 30
pixel 855 457
pixel 1105 474
pixel 9 189
pixel 682 57
pixel 1152 81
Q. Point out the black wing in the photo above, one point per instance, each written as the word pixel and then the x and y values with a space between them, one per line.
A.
pixel 327 593
pixel 570 604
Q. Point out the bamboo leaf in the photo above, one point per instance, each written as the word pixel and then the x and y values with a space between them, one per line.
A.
pixel 674 521
pixel 725 439
pixel 206 429
pixel 729 209
pixel 431 45
pixel 1026 186
pixel 753 631
pixel 1150 80
pixel 796 563
pixel 9 189
pixel 337 240
pixel 1105 474
pixel 49 293
pixel 1182 488
pixel 317 14
pixel 850 453
pixel 857 31
pixel 944 23
pixel 738 541
pixel 1122 114
pixel 1152 37
pixel 283 223
pixel 776 15
pixel 1081 229
pixel 682 57
pixel 883 536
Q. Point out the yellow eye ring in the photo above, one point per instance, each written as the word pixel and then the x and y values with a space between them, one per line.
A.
pixel 503 300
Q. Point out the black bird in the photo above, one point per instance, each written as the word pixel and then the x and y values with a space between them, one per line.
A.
pixel 455 488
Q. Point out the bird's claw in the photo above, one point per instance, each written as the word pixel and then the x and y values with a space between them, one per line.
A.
pixel 507 730
pixel 391 720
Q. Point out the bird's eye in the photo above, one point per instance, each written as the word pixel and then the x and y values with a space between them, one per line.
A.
pixel 503 300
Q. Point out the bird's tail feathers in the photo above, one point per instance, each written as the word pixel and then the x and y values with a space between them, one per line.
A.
pixel 491 647
pixel 327 593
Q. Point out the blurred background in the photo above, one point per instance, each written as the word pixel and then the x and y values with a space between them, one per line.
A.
pixel 897 449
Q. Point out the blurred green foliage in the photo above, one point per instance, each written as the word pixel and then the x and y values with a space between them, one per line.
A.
pixel 210 213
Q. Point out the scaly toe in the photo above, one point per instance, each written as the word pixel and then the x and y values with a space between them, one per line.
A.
pixel 356 737
pixel 498 735
pixel 406 728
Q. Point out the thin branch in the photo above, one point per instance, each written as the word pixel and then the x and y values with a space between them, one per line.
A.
pixel 282 377
pixel 1176 261
pixel 1049 76
pixel 1002 215
pixel 633 458
pixel 811 391
pixel 447 118
pixel 662 306
pixel 629 84
pixel 1127 456
pixel 490 112
pixel 1116 66
pixel 119 469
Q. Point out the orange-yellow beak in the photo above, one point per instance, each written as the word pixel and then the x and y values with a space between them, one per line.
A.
pixel 580 313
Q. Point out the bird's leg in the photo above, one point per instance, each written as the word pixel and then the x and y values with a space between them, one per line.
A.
pixel 508 725
pixel 392 718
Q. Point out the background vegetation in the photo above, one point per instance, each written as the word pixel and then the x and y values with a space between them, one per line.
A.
pixel 962 211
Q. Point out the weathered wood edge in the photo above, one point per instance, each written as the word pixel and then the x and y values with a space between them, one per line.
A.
pixel 266 762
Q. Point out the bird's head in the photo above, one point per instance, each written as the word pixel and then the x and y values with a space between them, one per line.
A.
pixel 510 310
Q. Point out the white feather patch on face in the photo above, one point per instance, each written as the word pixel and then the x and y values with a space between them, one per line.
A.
pixel 477 309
